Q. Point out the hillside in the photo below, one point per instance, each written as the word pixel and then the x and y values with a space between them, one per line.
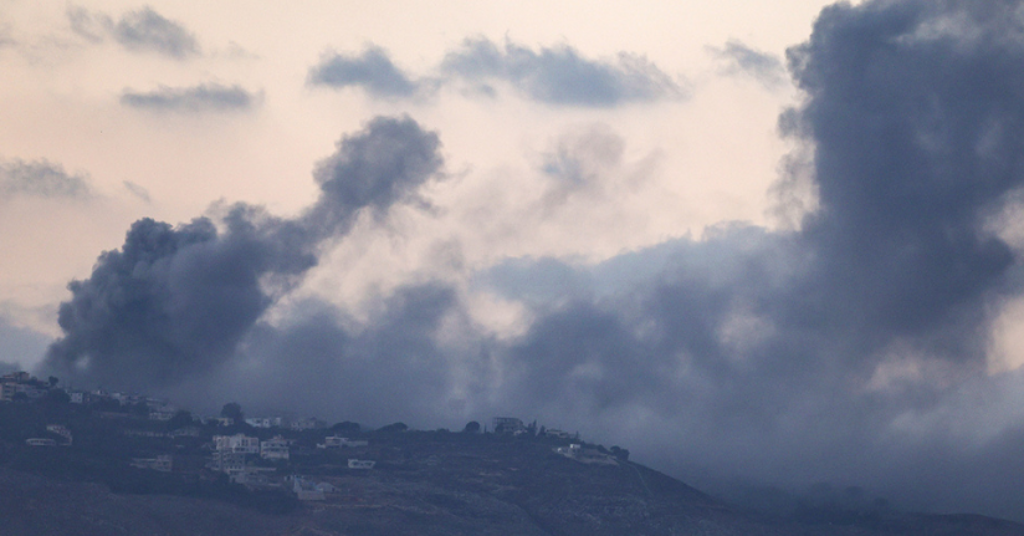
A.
pixel 434 483
pixel 124 465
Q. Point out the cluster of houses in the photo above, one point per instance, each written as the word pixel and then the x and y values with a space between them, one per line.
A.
pixel 246 460
pixel 17 385
pixel 233 454
pixel 23 386
pixel 515 426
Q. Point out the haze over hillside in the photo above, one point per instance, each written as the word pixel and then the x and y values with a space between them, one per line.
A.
pixel 76 462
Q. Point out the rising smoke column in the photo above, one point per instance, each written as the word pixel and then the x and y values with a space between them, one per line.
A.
pixel 174 302
pixel 855 348
pixel 842 351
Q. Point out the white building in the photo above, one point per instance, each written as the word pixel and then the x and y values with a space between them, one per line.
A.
pixel 238 443
pixel 227 461
pixel 336 442
pixel 310 423
pixel 360 464
pixel 264 422
pixel 306 489
pixel 162 463
pixel 274 449
pixel 572 451
pixel 60 430
pixel 162 415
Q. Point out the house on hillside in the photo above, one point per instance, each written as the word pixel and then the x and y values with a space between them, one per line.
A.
pixel 276 448
pixel 230 452
pixel 162 463
pixel 239 443
pixel 21 385
pixel 361 464
pixel 60 430
pixel 308 490
pixel 264 422
pixel 586 455
pixel 337 442
pixel 227 462
pixel 309 423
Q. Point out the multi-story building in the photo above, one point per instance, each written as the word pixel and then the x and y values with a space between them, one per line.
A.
pixel 238 443
pixel 227 461
pixel 276 448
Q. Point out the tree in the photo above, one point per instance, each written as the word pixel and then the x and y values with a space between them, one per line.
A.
pixel 233 410
pixel 394 427
pixel 57 396
pixel 347 427
pixel 181 419
pixel 139 409
pixel 53 381
pixel 472 427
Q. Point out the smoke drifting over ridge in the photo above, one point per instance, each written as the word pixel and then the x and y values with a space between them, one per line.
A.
pixel 856 348
pixel 175 302
pixel 853 349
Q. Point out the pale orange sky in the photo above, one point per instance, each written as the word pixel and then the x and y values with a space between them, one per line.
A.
pixel 678 173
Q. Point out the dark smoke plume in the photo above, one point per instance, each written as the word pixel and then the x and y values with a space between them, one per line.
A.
pixel 846 350
pixel 174 302
pixel 853 349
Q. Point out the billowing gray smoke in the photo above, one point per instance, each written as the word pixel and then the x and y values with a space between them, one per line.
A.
pixel 854 349
pixel 851 350
pixel 175 302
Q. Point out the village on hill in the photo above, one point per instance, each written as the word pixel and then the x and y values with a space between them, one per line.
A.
pixel 141 444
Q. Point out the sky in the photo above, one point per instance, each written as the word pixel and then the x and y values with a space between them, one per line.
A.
pixel 775 243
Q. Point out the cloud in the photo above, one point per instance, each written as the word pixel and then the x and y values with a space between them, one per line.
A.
pixel 740 58
pixel 561 76
pixel 146 29
pixel 372 70
pixel 92 26
pixel 6 37
pixel 175 302
pixel 579 163
pixel 137 190
pixel 557 76
pixel 142 30
pixel 201 98
pixel 41 178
